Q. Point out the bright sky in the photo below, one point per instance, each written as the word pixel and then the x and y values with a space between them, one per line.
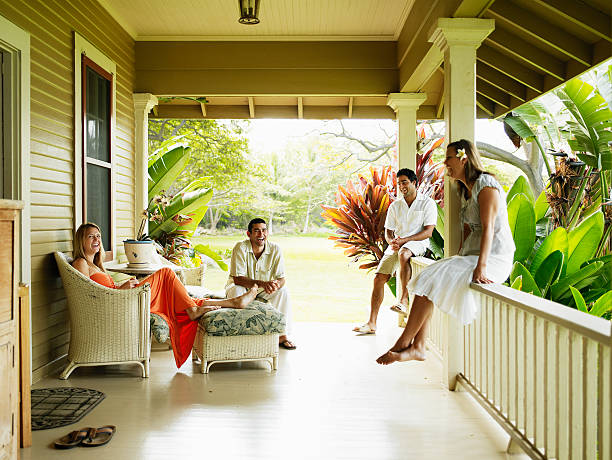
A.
pixel 273 135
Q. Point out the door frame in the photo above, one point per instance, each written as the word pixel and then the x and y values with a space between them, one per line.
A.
pixel 15 42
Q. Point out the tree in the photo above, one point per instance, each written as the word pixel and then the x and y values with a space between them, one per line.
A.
pixel 219 159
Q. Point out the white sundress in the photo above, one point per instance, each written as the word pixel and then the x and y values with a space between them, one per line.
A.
pixel 447 282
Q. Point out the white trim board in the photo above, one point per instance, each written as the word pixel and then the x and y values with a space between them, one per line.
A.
pixel 82 46
pixel 16 42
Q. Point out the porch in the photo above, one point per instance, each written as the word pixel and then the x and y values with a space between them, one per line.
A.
pixel 329 400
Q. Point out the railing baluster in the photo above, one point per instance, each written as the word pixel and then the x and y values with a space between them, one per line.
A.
pixel 550 390
pixel 503 350
pixel 512 368
pixel 520 370
pixel 488 351
pixel 528 359
pixel 577 394
pixel 539 372
pixel 564 385
pixel 605 406
pixel 591 394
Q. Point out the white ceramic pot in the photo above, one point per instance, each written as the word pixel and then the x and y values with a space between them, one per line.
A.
pixel 139 252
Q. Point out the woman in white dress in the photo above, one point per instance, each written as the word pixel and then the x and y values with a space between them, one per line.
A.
pixel 486 255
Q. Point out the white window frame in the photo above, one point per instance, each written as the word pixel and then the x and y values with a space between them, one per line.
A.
pixel 16 43
pixel 82 46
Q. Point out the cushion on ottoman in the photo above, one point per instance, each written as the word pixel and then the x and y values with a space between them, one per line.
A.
pixel 159 328
pixel 258 318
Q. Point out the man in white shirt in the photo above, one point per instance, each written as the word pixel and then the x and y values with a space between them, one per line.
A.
pixel 410 222
pixel 258 261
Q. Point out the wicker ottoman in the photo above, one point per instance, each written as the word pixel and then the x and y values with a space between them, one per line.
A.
pixel 249 334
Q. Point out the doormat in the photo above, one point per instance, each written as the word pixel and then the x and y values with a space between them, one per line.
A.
pixel 54 407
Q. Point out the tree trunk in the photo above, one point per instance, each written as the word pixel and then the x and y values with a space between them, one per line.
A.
pixel 214 218
pixel 532 167
pixel 307 214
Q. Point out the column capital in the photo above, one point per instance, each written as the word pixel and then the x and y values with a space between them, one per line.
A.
pixel 409 100
pixel 449 32
pixel 144 101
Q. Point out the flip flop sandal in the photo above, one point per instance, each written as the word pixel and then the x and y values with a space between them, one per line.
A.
pixel 365 329
pixel 99 436
pixel 72 439
pixel 287 345
pixel 400 308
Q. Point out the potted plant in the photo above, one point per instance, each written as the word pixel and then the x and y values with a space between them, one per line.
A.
pixel 140 251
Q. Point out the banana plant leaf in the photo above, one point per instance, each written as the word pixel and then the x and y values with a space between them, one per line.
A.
pixel 167 168
pixel 164 147
pixel 602 305
pixel 590 112
pixel 557 240
pixel 517 283
pixel 549 271
pixel 541 206
pixel 560 289
pixel 528 284
pixel 521 217
pixel 207 251
pixel 579 300
pixel 392 283
pixel 520 186
pixel 187 204
pixel 583 241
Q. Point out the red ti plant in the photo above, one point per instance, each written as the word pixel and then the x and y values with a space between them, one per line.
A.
pixel 360 215
pixel 430 175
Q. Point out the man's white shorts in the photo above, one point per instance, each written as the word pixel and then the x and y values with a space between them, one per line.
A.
pixel 388 263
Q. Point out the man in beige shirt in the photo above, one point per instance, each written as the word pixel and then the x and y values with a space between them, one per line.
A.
pixel 258 261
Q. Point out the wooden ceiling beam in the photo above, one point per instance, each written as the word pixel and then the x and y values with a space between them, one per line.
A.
pixel 203 108
pixel 501 81
pixel 524 51
pixel 486 105
pixel 581 14
pixel 493 93
pixel 350 107
pixel 251 107
pixel 541 30
pixel 510 67
pixel 300 107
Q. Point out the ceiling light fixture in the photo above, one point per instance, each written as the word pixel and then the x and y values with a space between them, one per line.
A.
pixel 249 9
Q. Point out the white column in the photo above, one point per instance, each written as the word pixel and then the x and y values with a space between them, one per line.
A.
pixel 143 103
pixel 406 106
pixel 458 39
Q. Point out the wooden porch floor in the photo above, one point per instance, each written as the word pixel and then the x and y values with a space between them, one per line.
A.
pixel 328 400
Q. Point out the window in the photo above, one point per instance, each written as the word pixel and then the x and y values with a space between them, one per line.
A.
pixel 94 140
pixel 97 103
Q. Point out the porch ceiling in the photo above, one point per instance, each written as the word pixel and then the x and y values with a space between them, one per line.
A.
pixel 340 58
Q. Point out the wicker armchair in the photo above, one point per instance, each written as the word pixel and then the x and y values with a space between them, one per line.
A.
pixel 107 326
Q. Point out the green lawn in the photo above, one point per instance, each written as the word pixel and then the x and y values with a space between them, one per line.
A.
pixel 324 285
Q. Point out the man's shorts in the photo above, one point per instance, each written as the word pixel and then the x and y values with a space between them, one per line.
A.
pixel 388 263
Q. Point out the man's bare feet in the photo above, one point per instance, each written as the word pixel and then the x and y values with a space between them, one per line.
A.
pixel 407 354
pixel 246 298
pixel 197 312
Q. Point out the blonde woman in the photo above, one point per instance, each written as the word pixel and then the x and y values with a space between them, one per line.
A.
pixel 169 299
pixel 486 254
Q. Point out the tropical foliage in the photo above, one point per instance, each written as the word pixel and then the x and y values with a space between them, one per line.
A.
pixel 563 265
pixel 173 219
pixel 580 181
pixel 360 214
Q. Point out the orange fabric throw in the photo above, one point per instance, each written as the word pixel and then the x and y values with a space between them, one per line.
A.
pixel 169 299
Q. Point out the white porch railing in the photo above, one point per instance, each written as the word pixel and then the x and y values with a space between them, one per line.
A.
pixel 541 369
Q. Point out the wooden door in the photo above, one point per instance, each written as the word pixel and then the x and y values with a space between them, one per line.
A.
pixel 9 338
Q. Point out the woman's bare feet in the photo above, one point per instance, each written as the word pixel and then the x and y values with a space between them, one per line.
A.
pixel 246 298
pixel 197 312
pixel 407 354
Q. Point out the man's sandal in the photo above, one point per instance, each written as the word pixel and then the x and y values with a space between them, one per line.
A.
pixel 72 439
pixel 99 436
pixel 364 329
pixel 400 308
